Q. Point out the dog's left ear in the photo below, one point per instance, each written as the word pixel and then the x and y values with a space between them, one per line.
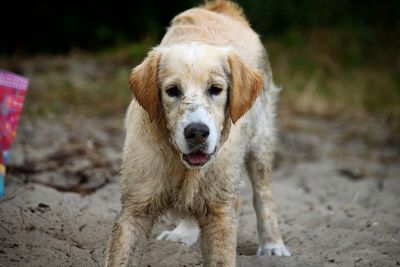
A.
pixel 246 83
pixel 144 83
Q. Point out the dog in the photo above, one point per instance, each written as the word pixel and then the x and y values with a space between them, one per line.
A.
pixel 202 116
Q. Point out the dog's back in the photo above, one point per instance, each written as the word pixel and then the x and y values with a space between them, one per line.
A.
pixel 219 23
pixel 227 8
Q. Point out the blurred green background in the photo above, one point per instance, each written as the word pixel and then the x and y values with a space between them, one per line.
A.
pixel 332 58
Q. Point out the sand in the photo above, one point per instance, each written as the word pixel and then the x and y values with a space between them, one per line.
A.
pixel 336 182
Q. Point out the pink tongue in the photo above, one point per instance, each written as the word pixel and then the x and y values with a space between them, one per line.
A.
pixel 197 157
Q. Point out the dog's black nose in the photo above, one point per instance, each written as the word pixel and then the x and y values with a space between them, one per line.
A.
pixel 196 133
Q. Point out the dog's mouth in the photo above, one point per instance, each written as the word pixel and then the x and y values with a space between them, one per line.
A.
pixel 197 158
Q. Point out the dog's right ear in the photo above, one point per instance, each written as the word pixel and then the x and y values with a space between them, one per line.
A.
pixel 144 83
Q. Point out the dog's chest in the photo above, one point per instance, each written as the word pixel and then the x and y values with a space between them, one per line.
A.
pixel 188 192
pixel 196 191
pixel 184 191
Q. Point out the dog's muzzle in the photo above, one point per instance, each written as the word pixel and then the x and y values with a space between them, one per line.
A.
pixel 196 135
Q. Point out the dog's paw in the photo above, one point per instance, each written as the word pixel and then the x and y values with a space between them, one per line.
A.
pixel 273 248
pixel 185 235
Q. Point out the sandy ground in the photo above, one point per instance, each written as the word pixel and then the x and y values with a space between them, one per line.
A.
pixel 336 183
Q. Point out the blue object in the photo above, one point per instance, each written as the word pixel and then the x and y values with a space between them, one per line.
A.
pixel 1 185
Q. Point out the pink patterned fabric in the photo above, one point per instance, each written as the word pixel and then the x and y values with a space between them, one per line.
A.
pixel 12 94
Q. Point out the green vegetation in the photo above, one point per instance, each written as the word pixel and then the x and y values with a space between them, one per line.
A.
pixel 329 73
pixel 51 27
pixel 323 72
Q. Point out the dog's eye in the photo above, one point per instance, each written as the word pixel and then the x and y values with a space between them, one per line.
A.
pixel 213 90
pixel 174 92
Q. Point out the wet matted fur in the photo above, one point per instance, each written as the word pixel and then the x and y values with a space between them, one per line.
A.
pixel 211 72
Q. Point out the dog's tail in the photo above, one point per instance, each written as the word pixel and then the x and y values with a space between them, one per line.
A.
pixel 227 8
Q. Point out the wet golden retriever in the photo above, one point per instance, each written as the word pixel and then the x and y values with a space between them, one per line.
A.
pixel 202 116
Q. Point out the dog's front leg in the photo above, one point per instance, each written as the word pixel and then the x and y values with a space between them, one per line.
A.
pixel 218 239
pixel 128 239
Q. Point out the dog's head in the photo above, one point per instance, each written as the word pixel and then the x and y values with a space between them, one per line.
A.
pixel 200 90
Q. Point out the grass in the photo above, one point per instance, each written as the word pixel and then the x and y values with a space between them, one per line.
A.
pixel 329 73
pixel 323 73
